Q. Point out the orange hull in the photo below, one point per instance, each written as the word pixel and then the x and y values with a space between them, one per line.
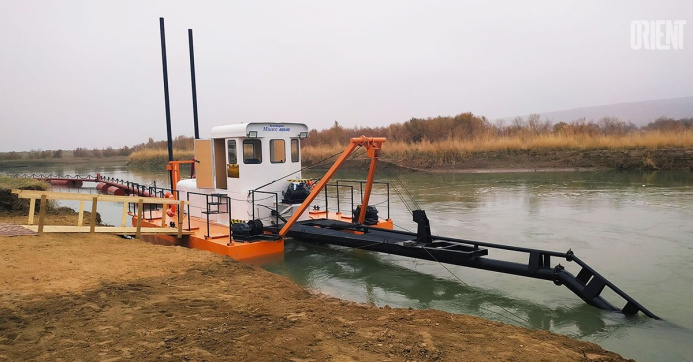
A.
pixel 219 240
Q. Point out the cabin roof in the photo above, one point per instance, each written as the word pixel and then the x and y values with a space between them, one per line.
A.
pixel 264 129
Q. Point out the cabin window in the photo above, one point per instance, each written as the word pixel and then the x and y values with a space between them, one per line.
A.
pixel 294 150
pixel 277 151
pixel 252 151
pixel 232 159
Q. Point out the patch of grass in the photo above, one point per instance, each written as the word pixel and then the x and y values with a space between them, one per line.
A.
pixel 9 183
pixel 10 204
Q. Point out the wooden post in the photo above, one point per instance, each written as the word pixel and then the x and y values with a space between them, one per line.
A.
pixel 32 210
pixel 42 214
pixel 80 218
pixel 92 226
pixel 163 215
pixel 140 214
pixel 125 213
pixel 180 220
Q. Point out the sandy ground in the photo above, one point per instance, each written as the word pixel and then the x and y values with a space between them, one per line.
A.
pixel 82 297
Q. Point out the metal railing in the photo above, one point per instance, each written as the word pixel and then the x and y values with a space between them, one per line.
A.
pixel 212 200
pixel 274 211
pixel 361 183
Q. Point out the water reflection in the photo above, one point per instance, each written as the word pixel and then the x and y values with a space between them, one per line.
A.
pixel 370 278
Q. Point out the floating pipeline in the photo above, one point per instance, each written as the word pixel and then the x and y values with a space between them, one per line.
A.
pixel 110 189
pixel 106 185
pixel 66 183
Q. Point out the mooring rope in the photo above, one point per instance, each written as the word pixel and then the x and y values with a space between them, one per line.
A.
pixel 399 189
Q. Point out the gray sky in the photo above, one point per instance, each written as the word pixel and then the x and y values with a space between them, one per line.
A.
pixel 88 73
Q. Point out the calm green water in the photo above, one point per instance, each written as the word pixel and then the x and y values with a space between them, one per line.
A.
pixel 633 227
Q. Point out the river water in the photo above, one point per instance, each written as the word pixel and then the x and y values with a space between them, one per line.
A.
pixel 632 227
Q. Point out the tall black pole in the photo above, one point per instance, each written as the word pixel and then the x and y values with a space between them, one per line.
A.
pixel 194 84
pixel 168 107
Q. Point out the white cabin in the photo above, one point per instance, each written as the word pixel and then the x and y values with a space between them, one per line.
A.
pixel 240 158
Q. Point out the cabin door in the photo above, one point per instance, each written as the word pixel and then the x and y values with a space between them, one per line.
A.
pixel 204 171
pixel 232 169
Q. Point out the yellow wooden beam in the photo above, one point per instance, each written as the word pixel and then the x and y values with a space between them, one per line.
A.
pixel 32 210
pixel 140 212
pixel 123 221
pixel 107 230
pixel 180 220
pixel 80 218
pixel 92 222
pixel 53 195
pixel 163 217
pixel 138 230
pixel 42 214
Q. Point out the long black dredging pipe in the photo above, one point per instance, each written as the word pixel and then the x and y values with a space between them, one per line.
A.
pixel 587 285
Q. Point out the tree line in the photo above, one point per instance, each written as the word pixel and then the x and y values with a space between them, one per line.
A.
pixel 181 142
pixel 462 127
pixel 467 126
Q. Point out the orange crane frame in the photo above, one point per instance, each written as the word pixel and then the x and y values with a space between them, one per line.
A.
pixel 174 168
pixel 373 146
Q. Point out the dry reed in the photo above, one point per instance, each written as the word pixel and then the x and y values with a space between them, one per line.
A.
pixel 454 149
pixel 147 158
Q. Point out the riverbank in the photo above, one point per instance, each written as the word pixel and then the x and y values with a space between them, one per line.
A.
pixel 115 160
pixel 525 160
pixel 68 296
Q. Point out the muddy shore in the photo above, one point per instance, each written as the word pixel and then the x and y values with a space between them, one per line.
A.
pixel 83 297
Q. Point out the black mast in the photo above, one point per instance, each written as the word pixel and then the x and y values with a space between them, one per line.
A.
pixel 166 101
pixel 168 107
pixel 194 84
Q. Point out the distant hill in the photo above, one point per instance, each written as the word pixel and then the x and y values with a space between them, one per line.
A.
pixel 640 113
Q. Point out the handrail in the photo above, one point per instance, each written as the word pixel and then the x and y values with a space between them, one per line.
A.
pixel 338 200
pixel 208 203
pixel 361 183
pixel 276 203
pixel 34 195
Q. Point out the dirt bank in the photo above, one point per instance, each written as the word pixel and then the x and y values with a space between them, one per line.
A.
pixel 533 160
pixel 82 297
pixel 633 159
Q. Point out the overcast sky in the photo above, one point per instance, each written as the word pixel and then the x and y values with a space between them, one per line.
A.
pixel 89 74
